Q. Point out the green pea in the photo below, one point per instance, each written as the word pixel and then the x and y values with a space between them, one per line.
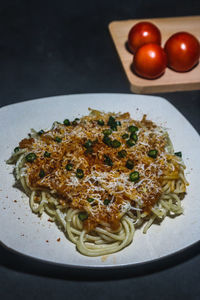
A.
pixel 30 157
pixel 125 136
pixel 47 154
pixel 153 153
pixel 134 176
pixel 106 201
pixel 112 123
pixel 100 122
pixel 79 173
pixel 58 139
pixel 129 164
pixel 66 122
pixel 115 144
pixel 42 173
pixel 75 121
pixel 122 154
pixel 108 161
pixel 107 140
pixel 107 132
pixel 83 216
pixel 16 149
pixel 132 129
pixel 179 154
pixel 90 200
pixel 134 136
pixel 88 144
pixel 69 167
pixel 40 132
pixel 130 143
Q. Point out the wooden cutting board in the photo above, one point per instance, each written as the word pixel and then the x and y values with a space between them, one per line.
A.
pixel 171 80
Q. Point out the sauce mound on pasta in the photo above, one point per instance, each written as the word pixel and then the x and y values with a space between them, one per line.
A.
pixel 107 168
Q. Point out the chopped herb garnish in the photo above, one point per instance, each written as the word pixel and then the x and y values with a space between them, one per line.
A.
pixel 130 143
pixel 88 144
pixel 106 201
pixel 132 129
pixel 107 132
pixel 134 176
pixel 108 160
pixel 69 167
pixel 79 173
pixel 47 154
pixel 16 149
pixel 107 140
pixel 40 132
pixel 30 157
pixel 58 139
pixel 112 123
pixel 129 164
pixel 75 121
pixel 122 154
pixel 42 173
pixel 100 122
pixel 114 128
pixel 153 153
pixel 115 144
pixel 83 216
pixel 66 122
pixel 125 136
pixel 134 136
pixel 179 154
pixel 90 199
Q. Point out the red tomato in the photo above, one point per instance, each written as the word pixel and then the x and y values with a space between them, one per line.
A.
pixel 150 61
pixel 143 33
pixel 183 51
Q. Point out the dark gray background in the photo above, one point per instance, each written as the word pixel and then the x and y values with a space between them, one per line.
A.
pixel 52 48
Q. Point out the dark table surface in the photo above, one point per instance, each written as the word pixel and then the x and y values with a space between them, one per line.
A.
pixel 50 48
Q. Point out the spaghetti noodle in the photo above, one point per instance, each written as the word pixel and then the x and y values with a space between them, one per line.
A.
pixel 100 177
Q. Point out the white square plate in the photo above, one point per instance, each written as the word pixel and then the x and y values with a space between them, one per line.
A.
pixel 26 233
